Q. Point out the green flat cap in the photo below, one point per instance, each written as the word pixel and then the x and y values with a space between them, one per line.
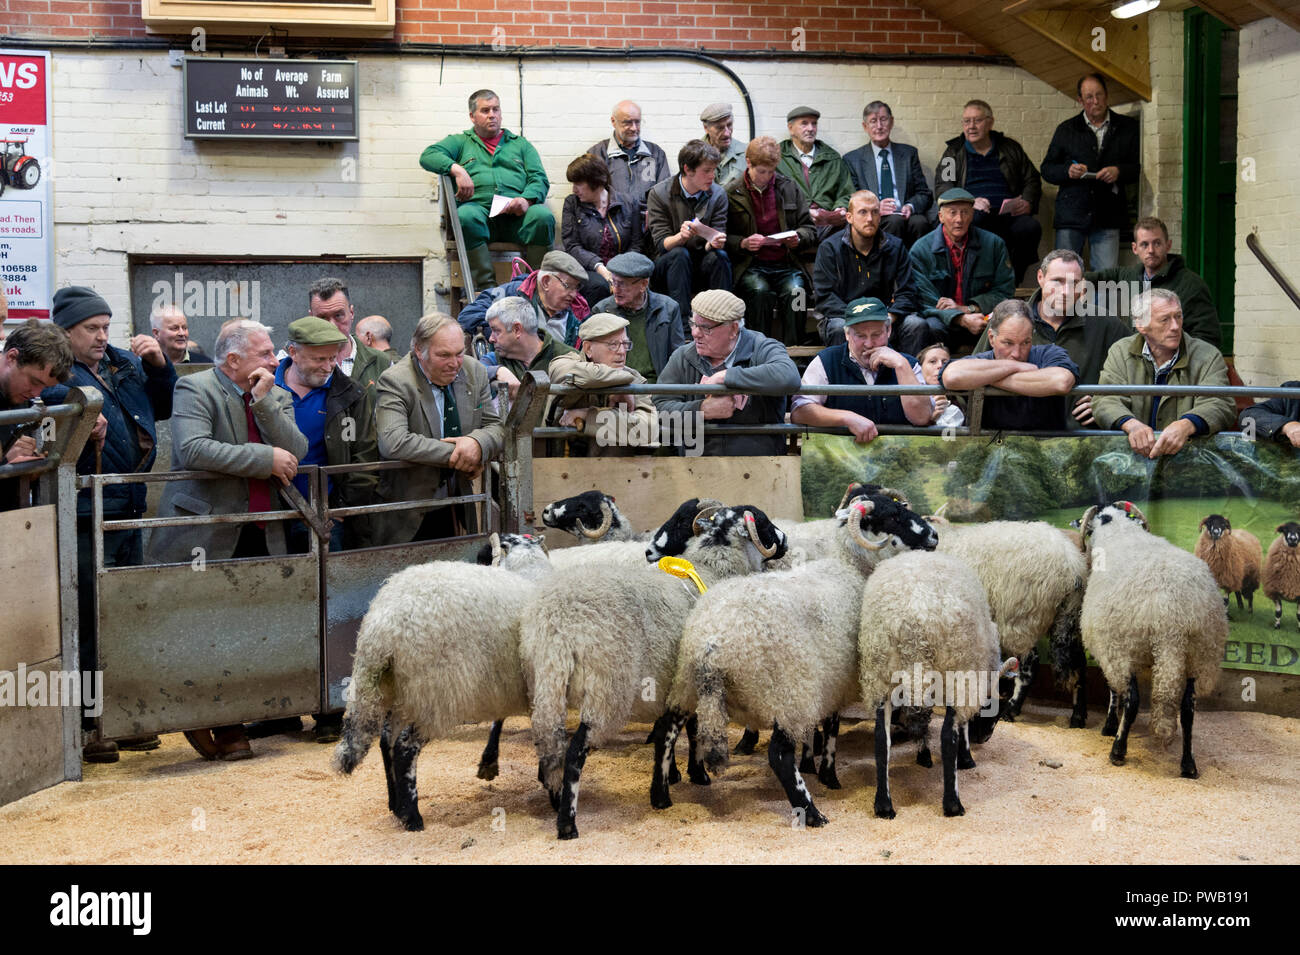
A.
pixel 865 310
pixel 956 195
pixel 315 331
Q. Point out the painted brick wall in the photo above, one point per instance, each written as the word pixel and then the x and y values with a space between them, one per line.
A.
pixel 1162 127
pixel 1268 325
pixel 875 26
pixel 162 194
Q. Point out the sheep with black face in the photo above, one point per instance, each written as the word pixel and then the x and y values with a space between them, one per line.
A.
pixel 1282 571
pixel 1234 558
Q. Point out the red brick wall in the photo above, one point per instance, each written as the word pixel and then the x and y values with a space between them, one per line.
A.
pixel 864 26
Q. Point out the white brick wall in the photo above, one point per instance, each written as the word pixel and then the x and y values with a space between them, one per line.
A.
pixel 1267 341
pixel 1162 126
pixel 128 182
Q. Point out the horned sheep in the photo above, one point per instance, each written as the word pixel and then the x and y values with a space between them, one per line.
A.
pixel 1282 571
pixel 1234 558
pixel 1149 604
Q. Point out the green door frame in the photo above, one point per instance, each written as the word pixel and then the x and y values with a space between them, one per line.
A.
pixel 1209 185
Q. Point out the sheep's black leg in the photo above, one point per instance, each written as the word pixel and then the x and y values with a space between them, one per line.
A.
pixel 1079 715
pixel 748 740
pixel 406 753
pixel 666 730
pixel 661 724
pixel 1111 726
pixel 826 773
pixel 386 751
pixel 487 763
pixel 1023 678
pixel 1226 595
pixel 884 805
pixel 964 759
pixel 780 756
pixel 948 753
pixel 806 762
pixel 922 733
pixel 695 770
pixel 1240 603
pixel 1277 613
pixel 1129 703
pixel 1185 717
pixel 566 821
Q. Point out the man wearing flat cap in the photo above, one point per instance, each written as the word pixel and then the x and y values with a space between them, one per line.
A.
pixel 610 424
pixel 719 123
pixel 724 352
pixel 337 417
pixel 961 273
pixel 137 387
pixel 817 170
pixel 519 343
pixel 863 358
pixel 655 325
pixel 553 291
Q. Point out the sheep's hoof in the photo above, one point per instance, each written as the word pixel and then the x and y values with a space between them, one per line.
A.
pixel 698 776
pixel 1277 624
pixel 567 831
pixel 808 766
pixel 1189 769
pixel 1117 759
pixel 674 775
pixel 748 740
pixel 923 758
pixel 659 799
pixel 885 810
pixel 953 808
pixel 965 761
pixel 813 819
pixel 413 823
pixel 487 770
pixel 828 778
pixel 1078 721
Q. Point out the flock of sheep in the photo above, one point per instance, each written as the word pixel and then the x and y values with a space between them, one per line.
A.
pixel 783 626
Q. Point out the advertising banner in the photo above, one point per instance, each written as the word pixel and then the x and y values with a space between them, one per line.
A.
pixel 26 216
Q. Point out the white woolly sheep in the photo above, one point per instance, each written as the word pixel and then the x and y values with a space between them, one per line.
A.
pixel 606 644
pixel 1034 576
pixel 1149 604
pixel 1282 571
pixel 927 638
pixel 780 650
pixel 438 647
pixel 1234 558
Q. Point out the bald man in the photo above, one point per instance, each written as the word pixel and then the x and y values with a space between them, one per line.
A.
pixel 635 165
pixel 376 333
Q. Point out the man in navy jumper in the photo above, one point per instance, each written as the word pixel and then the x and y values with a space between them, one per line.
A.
pixel 863 358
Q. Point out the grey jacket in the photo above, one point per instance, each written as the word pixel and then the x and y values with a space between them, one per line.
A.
pixel 210 433
pixel 410 429
pixel 664 331
pixel 762 367
pixel 635 174
pixel 669 208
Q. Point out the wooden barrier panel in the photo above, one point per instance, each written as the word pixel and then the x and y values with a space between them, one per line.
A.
pixel 649 488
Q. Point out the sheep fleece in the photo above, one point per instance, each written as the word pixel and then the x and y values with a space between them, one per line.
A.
pixel 1282 571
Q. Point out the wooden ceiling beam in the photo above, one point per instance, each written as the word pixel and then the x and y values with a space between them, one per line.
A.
pixel 1290 18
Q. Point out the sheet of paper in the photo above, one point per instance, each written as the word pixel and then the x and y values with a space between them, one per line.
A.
pixel 498 203
pixel 778 236
pixel 705 232
pixel 1002 210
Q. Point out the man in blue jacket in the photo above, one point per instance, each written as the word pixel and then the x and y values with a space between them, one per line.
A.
pixel 137 388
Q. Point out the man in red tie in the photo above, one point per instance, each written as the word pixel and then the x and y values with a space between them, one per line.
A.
pixel 231 419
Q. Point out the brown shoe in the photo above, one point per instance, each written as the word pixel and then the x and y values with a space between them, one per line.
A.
pixel 104 751
pixel 232 741
pixel 203 743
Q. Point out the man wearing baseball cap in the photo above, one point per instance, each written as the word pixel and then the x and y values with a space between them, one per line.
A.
pixel 137 387
pixel 611 424
pixel 724 352
pixel 961 273
pixel 817 170
pixel 718 126
pixel 654 321
pixel 863 358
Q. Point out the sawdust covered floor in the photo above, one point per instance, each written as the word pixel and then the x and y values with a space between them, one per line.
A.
pixel 287 806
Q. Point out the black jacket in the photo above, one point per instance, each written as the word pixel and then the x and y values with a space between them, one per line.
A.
pixel 1269 416
pixel 582 225
pixel 1091 203
pixel 841 274
pixel 1022 178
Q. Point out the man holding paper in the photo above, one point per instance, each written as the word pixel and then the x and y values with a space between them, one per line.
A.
pixel 500 185
pixel 996 171
pixel 767 223
pixel 687 223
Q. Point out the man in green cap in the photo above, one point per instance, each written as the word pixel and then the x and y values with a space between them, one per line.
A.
pixel 337 417
pixel 863 358
pixel 817 170
pixel 487 161
pixel 613 424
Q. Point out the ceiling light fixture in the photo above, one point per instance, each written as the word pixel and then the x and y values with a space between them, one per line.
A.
pixel 1133 8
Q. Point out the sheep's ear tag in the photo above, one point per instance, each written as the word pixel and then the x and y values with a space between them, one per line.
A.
pixel 680 567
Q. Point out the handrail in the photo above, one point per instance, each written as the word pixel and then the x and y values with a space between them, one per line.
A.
pixel 1253 243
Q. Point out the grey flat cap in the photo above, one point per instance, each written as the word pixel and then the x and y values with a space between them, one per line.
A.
pixel 631 265
pixel 715 112
pixel 798 111
pixel 557 261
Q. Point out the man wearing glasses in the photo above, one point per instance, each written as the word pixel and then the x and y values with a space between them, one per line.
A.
pixel 611 424
pixel 553 291
pixel 635 165
pixel 722 351
pixel 893 172
pixel 654 322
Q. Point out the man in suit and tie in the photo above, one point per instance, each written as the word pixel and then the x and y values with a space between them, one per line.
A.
pixel 435 410
pixel 231 419
pixel 893 172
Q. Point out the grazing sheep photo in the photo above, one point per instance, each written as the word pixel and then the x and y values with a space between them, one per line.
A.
pixel 1234 558
pixel 1281 578
pixel 1149 606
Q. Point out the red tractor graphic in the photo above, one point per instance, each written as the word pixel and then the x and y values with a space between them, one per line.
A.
pixel 17 169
